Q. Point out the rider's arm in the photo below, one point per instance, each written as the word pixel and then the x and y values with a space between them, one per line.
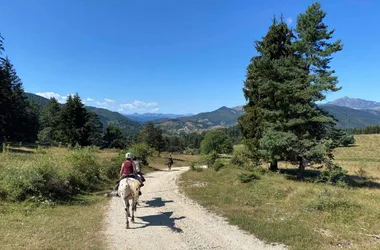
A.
pixel 121 170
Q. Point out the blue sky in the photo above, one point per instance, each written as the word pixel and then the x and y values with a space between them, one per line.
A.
pixel 170 56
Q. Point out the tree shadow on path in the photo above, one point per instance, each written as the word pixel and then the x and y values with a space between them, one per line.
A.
pixel 162 219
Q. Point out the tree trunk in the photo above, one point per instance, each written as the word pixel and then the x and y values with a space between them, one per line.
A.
pixel 273 166
pixel 301 169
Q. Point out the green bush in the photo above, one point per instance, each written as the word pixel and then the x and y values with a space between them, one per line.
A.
pixel 336 175
pixel 210 158
pixel 248 177
pixel 85 172
pixel 217 165
pixel 142 151
pixel 241 157
pixel 40 179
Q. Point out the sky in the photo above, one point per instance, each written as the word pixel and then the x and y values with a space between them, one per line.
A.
pixel 171 56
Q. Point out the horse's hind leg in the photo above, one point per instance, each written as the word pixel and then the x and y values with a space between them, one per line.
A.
pixel 126 207
pixel 133 209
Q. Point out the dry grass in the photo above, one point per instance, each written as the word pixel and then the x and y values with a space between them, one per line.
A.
pixel 302 215
pixel 78 226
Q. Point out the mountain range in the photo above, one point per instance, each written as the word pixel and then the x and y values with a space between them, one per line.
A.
pixel 355 103
pixel 152 116
pixel 350 113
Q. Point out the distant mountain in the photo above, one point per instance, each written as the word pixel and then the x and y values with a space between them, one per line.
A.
pixel 106 116
pixel 355 103
pixel 152 116
pixel 352 118
pixel 39 100
pixel 222 117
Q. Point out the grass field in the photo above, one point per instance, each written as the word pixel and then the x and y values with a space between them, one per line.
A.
pixel 303 215
pixel 41 222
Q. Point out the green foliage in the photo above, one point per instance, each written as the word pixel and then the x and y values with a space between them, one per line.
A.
pixel 143 151
pixel 336 175
pixel 114 137
pixel 18 117
pixel 173 143
pixel 152 136
pixel 216 140
pixel 248 177
pixel 217 165
pixel 241 156
pixel 291 73
pixel 210 158
pixel 340 138
pixel 45 178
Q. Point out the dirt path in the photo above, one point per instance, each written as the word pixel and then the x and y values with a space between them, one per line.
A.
pixel 167 219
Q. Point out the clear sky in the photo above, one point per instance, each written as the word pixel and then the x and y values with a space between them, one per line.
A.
pixel 170 56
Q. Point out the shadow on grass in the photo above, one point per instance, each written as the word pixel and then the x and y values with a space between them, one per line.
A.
pixel 162 219
pixel 157 202
pixel 309 175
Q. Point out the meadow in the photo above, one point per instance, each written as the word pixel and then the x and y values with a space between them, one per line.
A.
pixel 276 207
pixel 54 198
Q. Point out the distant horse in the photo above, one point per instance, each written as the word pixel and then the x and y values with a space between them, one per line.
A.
pixel 129 190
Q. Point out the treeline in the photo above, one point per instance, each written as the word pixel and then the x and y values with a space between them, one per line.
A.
pixel 366 130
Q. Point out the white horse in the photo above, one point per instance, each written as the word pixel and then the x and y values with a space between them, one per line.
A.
pixel 129 190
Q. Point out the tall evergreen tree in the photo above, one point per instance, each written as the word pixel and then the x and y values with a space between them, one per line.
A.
pixel 73 119
pixel 50 120
pixel 93 130
pixel 20 122
pixel 282 121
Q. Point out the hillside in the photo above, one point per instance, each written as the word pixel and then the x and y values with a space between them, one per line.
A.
pixel 222 117
pixel 225 117
pixel 106 116
pixel 353 118
pixel 152 116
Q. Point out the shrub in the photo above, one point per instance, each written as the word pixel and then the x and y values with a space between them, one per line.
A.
pixel 241 157
pixel 210 158
pixel 336 175
pixel 142 151
pixel 245 178
pixel 85 172
pixel 329 200
pixel 218 165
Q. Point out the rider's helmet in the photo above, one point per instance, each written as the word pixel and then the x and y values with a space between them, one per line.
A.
pixel 128 155
pixel 134 158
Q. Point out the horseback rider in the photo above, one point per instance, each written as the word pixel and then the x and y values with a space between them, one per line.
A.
pixel 128 170
pixel 138 167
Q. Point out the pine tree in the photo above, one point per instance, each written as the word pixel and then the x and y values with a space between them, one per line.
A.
pixel 282 121
pixel 19 117
pixel 50 120
pixel 114 137
pixel 262 88
pixel 72 123
pixel 93 130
